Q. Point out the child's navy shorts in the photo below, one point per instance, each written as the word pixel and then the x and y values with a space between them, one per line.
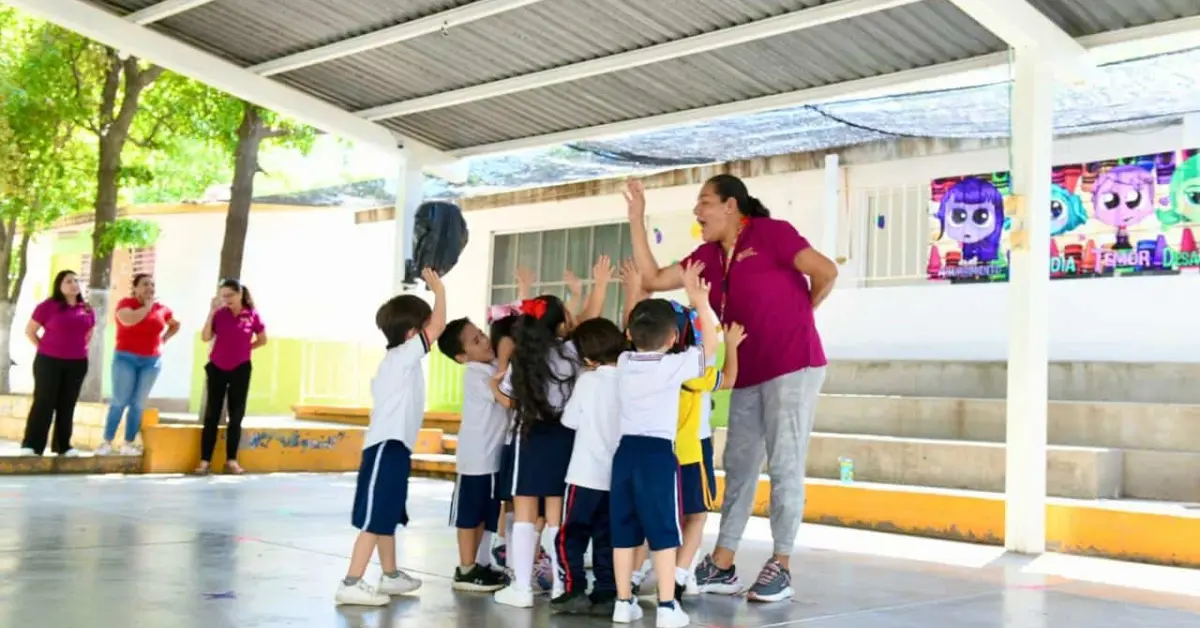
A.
pixel 381 497
pixel 645 497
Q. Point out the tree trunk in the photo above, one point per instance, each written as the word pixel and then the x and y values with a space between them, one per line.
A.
pixel 6 321
pixel 241 193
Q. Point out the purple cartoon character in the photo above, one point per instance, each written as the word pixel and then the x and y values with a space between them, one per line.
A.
pixel 972 212
pixel 1123 197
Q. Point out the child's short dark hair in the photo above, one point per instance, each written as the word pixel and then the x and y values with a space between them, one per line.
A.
pixel 401 315
pixel 599 340
pixel 503 328
pixel 450 342
pixel 651 324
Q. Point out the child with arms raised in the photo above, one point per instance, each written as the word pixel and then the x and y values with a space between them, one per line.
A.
pixel 536 386
pixel 397 410
pixel 645 496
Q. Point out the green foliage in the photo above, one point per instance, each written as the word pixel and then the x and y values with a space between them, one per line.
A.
pixel 183 171
pixel 127 233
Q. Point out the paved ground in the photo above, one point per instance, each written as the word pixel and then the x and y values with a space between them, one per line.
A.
pixel 266 551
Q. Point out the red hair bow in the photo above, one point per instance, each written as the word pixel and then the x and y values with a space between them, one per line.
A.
pixel 534 307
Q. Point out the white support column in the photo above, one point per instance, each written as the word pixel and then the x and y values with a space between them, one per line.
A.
pixel 409 194
pixel 1191 131
pixel 1032 112
pixel 832 207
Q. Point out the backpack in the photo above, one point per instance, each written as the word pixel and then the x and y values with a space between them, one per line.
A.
pixel 439 237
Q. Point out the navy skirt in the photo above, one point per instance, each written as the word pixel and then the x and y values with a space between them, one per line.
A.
pixel 540 460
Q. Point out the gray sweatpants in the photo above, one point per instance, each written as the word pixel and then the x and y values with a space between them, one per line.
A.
pixel 772 420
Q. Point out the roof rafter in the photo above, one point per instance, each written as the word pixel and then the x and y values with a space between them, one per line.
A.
pixel 392 35
pixel 1024 27
pixel 1109 47
pixel 723 38
pixel 163 10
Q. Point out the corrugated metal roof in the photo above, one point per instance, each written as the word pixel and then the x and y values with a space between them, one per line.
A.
pixel 1088 17
pixel 537 37
pixel 879 43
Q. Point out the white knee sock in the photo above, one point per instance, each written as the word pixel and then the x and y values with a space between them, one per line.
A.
pixel 548 540
pixel 508 527
pixel 483 556
pixel 521 547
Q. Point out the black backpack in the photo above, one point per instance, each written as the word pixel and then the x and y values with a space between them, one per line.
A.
pixel 439 237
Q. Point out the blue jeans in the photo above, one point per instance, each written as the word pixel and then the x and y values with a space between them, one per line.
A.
pixel 132 378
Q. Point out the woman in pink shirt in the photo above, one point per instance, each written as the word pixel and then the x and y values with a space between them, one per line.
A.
pixel 66 322
pixel 764 275
pixel 234 328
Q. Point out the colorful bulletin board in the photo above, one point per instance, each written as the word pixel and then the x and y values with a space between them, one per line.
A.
pixel 1131 216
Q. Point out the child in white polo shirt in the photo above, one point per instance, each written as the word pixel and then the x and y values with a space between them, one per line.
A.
pixel 645 499
pixel 475 508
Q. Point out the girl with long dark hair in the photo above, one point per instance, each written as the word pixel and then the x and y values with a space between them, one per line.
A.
pixel 66 322
pixel 235 329
pixel 536 386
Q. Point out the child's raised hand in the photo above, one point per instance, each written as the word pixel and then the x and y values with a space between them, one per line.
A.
pixel 631 277
pixel 694 283
pixel 524 276
pixel 602 272
pixel 433 281
pixel 574 283
pixel 734 335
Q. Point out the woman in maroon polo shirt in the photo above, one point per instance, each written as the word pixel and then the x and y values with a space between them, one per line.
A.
pixel 66 322
pixel 767 277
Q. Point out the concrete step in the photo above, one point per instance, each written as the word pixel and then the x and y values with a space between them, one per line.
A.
pixel 1074 472
pixel 1149 426
pixel 1068 381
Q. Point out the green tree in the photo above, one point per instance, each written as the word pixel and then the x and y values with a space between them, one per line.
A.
pixel 44 164
pixel 243 129
pixel 117 105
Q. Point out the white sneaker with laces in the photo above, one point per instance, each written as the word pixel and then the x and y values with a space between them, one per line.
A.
pixel 690 587
pixel 71 453
pixel 25 451
pixel 627 612
pixel 402 584
pixel 512 596
pixel 130 449
pixel 360 594
pixel 105 449
pixel 671 617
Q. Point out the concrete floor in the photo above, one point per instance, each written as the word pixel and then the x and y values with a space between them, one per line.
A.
pixel 266 551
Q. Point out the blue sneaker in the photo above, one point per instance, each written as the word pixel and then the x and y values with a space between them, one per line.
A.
pixel 712 579
pixel 500 555
pixel 774 584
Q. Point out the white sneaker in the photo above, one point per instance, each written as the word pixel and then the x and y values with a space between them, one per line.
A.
pixel 402 584
pixel 71 453
pixel 25 451
pixel 105 449
pixel 690 587
pixel 627 612
pixel 512 596
pixel 672 617
pixel 360 594
pixel 130 449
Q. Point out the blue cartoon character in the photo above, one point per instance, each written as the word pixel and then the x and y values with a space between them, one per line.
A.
pixel 1185 195
pixel 1122 198
pixel 972 213
pixel 1066 211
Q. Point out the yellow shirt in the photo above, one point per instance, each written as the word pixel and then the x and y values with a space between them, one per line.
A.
pixel 691 399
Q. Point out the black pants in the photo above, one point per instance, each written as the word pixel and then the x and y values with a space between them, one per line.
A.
pixel 56 385
pixel 585 520
pixel 235 384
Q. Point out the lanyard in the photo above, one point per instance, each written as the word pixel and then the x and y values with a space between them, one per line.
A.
pixel 728 263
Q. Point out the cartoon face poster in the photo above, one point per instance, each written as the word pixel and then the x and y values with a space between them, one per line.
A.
pixel 1121 216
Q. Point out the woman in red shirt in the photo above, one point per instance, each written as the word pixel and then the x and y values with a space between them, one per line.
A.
pixel 66 322
pixel 143 325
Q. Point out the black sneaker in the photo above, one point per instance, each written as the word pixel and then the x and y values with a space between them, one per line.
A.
pixel 480 579
pixel 712 579
pixel 679 589
pixel 603 604
pixel 774 584
pixel 574 603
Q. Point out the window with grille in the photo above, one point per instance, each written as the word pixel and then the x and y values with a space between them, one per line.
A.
pixel 142 261
pixel 550 253
pixel 895 229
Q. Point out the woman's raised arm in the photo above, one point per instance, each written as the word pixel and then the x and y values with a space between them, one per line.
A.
pixel 654 279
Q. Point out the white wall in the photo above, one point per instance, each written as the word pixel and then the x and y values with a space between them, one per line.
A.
pixel 1120 319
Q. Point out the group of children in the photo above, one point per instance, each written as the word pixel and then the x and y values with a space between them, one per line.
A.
pixel 586 434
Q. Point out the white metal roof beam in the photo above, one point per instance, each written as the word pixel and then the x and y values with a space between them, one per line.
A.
pixel 111 30
pixel 391 35
pixel 163 10
pixel 1111 47
pixel 762 29
pixel 1024 27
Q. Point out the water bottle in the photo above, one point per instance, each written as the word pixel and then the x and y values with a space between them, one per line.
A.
pixel 847 467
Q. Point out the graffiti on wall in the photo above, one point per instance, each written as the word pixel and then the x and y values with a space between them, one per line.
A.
pixel 1126 216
